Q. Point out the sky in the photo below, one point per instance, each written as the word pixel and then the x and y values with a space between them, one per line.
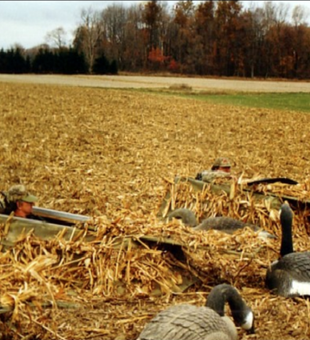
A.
pixel 27 22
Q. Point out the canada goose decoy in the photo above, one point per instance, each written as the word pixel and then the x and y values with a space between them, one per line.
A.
pixel 289 275
pixel 229 225
pixel 224 224
pixel 189 322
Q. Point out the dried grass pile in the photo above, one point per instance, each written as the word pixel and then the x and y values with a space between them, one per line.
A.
pixel 113 155
pixel 45 277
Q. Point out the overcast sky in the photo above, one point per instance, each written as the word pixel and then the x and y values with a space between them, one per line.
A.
pixel 28 22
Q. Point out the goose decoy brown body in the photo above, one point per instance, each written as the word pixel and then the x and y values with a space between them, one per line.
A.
pixel 289 276
pixel 189 322
pixel 224 224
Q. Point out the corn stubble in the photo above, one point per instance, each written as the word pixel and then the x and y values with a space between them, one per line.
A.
pixel 113 155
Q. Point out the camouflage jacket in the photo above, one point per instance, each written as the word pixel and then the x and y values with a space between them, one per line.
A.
pixel 3 202
pixel 209 175
pixel 6 207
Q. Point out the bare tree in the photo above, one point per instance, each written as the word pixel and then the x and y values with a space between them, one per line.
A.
pixel 134 43
pixel 56 37
pixel 113 20
pixel 184 40
pixel 88 35
pixel 299 15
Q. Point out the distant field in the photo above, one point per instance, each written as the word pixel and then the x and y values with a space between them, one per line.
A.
pixel 197 84
pixel 248 93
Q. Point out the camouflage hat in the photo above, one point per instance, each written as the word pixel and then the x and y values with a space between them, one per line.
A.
pixel 222 162
pixel 19 193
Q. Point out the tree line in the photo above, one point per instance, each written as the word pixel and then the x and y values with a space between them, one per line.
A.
pixel 211 38
pixel 52 61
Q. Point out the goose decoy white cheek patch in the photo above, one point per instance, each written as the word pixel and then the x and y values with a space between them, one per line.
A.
pixel 249 321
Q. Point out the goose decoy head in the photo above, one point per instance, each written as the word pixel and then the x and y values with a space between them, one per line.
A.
pixel 187 216
pixel 286 214
pixel 241 312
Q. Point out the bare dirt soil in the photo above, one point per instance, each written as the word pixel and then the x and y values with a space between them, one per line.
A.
pixel 111 154
pixel 198 84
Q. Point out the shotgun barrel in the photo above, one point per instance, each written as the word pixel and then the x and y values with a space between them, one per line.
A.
pixel 60 215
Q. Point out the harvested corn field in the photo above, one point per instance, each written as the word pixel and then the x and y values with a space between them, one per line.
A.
pixel 113 155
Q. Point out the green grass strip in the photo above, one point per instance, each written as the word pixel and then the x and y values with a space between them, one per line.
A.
pixel 280 101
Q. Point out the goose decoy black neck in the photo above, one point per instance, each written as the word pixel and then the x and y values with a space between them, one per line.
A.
pixel 187 216
pixel 286 219
pixel 242 314
pixel 289 276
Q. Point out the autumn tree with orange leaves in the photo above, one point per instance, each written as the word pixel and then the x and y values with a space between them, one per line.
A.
pixel 208 38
